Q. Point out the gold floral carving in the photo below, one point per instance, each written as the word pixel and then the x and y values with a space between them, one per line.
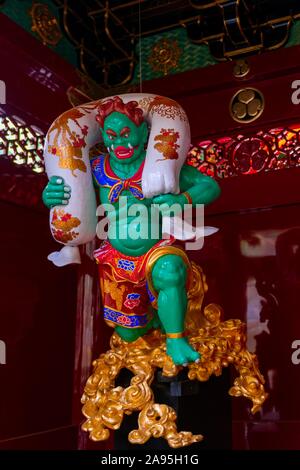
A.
pixel 67 144
pixel 164 56
pixel 45 24
pixel 115 290
pixel 165 107
pixel 166 144
pixel 220 344
pixel 246 105
pixel 63 224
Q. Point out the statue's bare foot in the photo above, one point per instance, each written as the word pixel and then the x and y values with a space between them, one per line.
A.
pixel 181 351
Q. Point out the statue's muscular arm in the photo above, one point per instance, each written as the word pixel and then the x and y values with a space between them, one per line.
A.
pixel 201 188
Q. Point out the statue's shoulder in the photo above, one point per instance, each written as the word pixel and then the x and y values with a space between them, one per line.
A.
pixel 97 162
pixel 98 169
pixel 187 170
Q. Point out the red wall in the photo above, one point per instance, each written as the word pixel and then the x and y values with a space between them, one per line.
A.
pixel 259 212
pixel 38 300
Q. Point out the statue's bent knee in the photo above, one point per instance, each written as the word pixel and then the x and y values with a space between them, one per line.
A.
pixel 169 271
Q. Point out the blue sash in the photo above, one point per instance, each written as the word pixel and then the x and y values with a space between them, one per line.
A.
pixel 116 185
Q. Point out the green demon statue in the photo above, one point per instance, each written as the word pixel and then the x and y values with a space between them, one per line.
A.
pixel 129 286
pixel 151 293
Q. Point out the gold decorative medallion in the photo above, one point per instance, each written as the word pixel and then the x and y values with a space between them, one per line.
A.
pixel 246 105
pixel 164 56
pixel 220 344
pixel 241 68
pixel 45 24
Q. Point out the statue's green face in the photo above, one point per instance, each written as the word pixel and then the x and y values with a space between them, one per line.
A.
pixel 123 139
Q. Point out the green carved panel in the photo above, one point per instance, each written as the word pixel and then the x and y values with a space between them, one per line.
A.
pixel 162 54
pixel 294 38
pixel 191 56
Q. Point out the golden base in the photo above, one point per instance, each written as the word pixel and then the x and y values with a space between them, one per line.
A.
pixel 219 343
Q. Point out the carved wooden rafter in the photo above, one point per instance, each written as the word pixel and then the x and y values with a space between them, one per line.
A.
pixel 107 39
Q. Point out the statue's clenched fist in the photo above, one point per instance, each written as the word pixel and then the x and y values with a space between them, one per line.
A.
pixel 56 192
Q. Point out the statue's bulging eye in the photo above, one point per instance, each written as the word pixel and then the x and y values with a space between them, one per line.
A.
pixel 126 135
pixel 111 137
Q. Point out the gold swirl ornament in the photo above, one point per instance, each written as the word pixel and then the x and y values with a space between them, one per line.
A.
pixel 220 343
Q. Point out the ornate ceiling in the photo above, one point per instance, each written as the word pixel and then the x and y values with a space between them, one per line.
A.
pixel 107 33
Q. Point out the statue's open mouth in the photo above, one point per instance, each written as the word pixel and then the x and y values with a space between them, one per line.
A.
pixel 123 152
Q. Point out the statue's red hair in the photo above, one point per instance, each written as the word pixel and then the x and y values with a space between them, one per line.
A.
pixel 116 104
